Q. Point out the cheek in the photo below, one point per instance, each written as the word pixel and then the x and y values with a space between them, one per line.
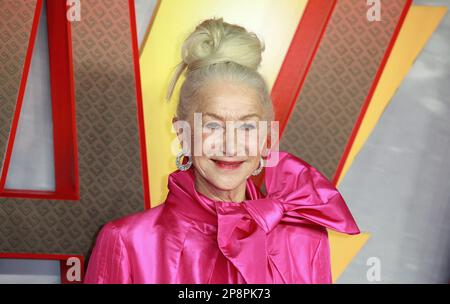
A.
pixel 254 163
pixel 211 144
pixel 202 146
pixel 252 142
pixel 201 164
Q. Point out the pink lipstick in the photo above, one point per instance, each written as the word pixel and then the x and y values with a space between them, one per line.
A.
pixel 230 165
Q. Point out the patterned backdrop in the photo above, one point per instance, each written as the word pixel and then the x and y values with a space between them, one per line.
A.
pixel 16 18
pixel 111 183
pixel 338 83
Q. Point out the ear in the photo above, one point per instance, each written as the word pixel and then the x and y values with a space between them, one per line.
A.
pixel 271 139
pixel 265 147
pixel 183 130
pixel 177 129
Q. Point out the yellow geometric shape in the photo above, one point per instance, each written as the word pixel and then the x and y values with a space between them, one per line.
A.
pixel 419 25
pixel 343 249
pixel 274 21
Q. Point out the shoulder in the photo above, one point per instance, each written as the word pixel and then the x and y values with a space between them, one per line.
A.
pixel 285 167
pixel 285 158
pixel 119 246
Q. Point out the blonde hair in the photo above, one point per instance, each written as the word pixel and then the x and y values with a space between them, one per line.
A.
pixel 218 50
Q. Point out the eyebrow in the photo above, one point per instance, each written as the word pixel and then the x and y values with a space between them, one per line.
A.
pixel 222 118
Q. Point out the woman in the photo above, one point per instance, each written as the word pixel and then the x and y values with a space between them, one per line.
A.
pixel 215 226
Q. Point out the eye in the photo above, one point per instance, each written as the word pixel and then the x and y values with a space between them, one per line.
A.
pixel 248 126
pixel 213 125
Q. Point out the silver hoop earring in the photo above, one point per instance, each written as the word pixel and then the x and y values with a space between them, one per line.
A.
pixel 261 166
pixel 180 165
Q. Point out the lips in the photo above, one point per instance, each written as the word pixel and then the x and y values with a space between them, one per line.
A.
pixel 230 165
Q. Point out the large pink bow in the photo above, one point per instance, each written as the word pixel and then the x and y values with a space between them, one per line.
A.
pixel 296 193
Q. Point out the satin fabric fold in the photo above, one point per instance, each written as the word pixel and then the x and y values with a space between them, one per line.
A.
pixel 279 237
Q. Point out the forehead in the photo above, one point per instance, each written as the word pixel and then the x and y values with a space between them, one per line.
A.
pixel 230 101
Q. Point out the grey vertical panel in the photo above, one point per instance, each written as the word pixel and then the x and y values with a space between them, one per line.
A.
pixel 32 165
pixel 398 187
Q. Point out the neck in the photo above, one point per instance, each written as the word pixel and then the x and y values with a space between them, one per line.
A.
pixel 209 190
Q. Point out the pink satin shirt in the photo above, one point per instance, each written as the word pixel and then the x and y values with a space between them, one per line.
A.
pixel 280 237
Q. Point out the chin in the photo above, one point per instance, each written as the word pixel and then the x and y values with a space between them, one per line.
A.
pixel 227 185
pixel 226 182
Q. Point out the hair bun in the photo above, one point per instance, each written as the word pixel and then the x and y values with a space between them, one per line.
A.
pixel 216 41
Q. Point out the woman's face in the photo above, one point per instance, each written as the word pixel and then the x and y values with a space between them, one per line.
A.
pixel 230 134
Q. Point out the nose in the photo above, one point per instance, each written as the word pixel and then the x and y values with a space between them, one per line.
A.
pixel 230 143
